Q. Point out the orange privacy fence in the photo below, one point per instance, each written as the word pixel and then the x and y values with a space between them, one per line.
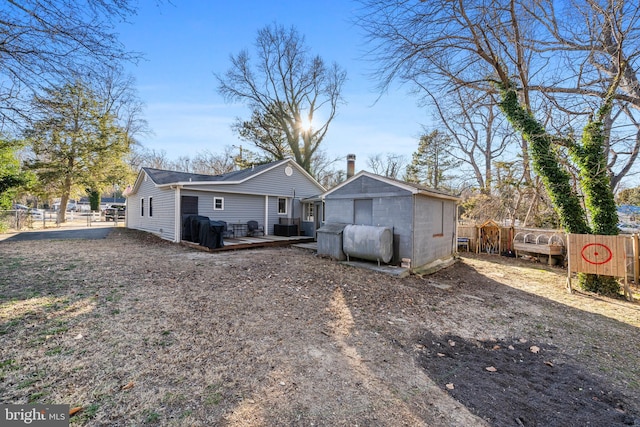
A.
pixel 595 254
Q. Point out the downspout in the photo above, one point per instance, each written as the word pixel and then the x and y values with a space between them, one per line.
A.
pixel 178 220
pixel 266 215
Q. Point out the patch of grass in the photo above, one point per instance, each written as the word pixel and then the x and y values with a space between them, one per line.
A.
pixel 37 396
pixel 186 414
pixel 55 330
pixel 7 326
pixel 37 341
pixel 213 399
pixel 150 417
pixel 87 413
pixel 114 296
pixel 174 398
pixel 27 383
pixel 7 366
pixel 214 396
pixel 115 311
pixel 54 351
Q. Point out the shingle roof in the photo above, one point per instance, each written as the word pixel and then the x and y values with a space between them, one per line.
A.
pixel 410 186
pixel 162 177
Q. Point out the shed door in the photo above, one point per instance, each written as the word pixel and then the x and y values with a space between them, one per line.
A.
pixel 188 205
pixel 363 212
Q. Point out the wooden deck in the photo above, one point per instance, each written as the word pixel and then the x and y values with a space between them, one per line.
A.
pixel 231 244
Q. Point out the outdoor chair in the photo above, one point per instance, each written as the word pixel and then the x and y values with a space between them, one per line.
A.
pixel 254 229
pixel 226 232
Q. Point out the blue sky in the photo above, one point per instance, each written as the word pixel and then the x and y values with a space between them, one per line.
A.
pixel 185 43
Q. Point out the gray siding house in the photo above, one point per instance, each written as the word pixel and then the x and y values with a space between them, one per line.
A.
pixel 423 220
pixel 269 193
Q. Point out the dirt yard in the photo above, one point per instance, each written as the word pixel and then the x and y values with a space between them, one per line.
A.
pixel 137 331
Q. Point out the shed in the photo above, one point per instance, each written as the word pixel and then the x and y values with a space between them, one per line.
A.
pixel 490 237
pixel 423 220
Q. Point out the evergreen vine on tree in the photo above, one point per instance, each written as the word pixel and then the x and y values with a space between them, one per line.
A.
pixel 589 156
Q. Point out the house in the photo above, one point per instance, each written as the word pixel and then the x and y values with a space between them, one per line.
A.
pixel 423 221
pixel 269 194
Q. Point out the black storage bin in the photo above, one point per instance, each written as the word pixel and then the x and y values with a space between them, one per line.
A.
pixel 285 230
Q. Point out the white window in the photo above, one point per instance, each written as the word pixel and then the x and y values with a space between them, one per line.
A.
pixel 282 206
pixel 218 203
pixel 142 206
pixel 308 212
pixel 150 206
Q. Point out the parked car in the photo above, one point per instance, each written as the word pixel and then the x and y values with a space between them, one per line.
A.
pixel 71 206
pixel 34 213
pixel 114 212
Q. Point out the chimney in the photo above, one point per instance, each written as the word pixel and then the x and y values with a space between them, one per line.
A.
pixel 351 165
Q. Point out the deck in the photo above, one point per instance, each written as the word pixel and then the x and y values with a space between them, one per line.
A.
pixel 231 244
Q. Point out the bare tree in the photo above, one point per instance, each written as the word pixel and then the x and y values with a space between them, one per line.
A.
pixel 479 132
pixel 209 163
pixel 43 42
pixel 144 157
pixel 289 87
pixel 561 57
pixel 390 166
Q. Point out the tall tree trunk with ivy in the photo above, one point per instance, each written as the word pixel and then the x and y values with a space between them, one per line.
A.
pixel 590 158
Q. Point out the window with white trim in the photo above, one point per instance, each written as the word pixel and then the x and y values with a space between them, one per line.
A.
pixel 142 206
pixel 218 203
pixel 150 206
pixel 308 212
pixel 282 206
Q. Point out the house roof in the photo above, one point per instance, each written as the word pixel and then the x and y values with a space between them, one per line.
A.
pixel 163 177
pixel 409 186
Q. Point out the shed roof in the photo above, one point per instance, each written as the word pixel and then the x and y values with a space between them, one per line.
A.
pixel 409 186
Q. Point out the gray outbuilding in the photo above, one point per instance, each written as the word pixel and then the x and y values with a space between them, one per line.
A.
pixel 423 220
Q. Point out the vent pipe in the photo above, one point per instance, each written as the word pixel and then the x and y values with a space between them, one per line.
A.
pixel 351 165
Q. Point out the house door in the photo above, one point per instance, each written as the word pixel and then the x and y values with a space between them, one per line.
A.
pixel 318 210
pixel 188 206
pixel 363 212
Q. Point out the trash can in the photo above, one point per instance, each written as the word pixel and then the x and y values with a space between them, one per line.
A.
pixel 330 241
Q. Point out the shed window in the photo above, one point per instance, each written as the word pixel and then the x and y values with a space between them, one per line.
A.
pixel 142 206
pixel 308 212
pixel 218 203
pixel 150 206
